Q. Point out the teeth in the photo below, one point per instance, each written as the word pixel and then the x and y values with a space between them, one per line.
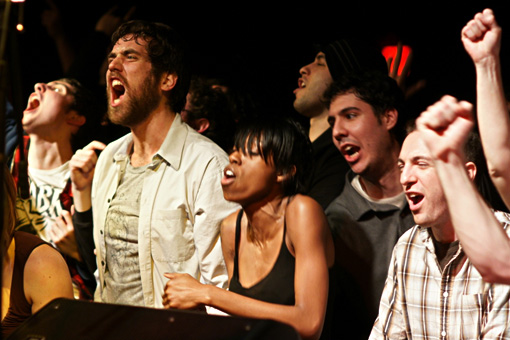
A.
pixel 229 173
pixel 116 82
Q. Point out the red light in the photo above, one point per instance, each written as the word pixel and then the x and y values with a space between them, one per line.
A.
pixel 390 52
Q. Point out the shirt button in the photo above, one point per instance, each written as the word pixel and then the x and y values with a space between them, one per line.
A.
pixel 445 294
pixel 443 333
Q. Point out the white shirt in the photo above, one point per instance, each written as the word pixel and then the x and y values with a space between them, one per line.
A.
pixel 181 209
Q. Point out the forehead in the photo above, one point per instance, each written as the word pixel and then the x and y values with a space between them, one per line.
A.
pixel 348 101
pixel 130 43
pixel 414 147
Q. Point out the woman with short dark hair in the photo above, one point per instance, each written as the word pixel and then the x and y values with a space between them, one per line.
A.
pixel 278 247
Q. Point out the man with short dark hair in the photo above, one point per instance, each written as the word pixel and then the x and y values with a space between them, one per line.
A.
pixel 368 217
pixel 433 291
pixel 331 62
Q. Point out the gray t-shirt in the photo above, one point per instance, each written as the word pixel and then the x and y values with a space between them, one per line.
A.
pixel 122 276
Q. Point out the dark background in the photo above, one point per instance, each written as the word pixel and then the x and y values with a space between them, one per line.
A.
pixel 263 44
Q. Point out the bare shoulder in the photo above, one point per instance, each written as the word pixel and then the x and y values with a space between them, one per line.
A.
pixel 302 205
pixel 46 277
pixel 307 227
pixel 44 259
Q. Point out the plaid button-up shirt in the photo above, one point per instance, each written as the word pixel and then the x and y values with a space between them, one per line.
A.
pixel 421 301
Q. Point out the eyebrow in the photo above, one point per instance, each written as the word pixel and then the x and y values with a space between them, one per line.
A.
pixel 63 83
pixel 349 108
pixel 414 159
pixel 321 57
pixel 124 52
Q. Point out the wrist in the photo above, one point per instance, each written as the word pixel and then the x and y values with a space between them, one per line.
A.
pixel 207 295
pixel 491 62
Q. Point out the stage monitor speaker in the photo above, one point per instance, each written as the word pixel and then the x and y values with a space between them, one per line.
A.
pixel 64 319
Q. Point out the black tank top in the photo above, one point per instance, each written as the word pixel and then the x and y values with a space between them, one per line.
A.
pixel 278 285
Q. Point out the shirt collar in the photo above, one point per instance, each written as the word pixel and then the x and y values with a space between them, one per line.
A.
pixel 171 149
pixel 358 205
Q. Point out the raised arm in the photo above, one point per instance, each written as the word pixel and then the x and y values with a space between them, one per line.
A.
pixel 82 166
pixel 482 40
pixel 444 127
pixel 313 250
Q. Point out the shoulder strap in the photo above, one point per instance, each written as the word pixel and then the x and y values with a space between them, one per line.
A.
pixel 238 238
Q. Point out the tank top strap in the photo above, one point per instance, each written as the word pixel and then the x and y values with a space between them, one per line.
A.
pixel 237 240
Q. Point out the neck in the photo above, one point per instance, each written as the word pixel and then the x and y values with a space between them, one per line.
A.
pixel 318 125
pixel 444 232
pixel 265 218
pixel 46 155
pixel 384 182
pixel 149 135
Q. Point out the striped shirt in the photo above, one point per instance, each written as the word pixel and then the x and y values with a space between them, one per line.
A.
pixel 421 301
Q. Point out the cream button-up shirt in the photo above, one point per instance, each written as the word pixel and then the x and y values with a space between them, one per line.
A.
pixel 181 209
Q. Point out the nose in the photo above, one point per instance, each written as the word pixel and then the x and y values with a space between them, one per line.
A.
pixel 40 87
pixel 235 157
pixel 407 177
pixel 338 130
pixel 114 64
pixel 304 70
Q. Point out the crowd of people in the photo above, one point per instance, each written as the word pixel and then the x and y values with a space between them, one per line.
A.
pixel 178 191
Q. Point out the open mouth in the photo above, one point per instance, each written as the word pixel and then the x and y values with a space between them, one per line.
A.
pixel 228 176
pixel 117 91
pixel 229 173
pixel 350 152
pixel 414 200
pixel 301 85
pixel 33 103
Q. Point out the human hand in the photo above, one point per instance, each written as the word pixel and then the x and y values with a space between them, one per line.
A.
pixel 482 36
pixel 62 234
pixel 109 21
pixel 182 291
pixel 445 126
pixel 82 165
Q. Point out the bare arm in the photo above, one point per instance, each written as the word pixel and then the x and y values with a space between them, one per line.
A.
pixel 313 248
pixel 444 128
pixel 482 40
pixel 46 277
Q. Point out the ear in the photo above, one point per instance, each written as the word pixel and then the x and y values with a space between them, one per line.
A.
pixel 201 124
pixel 280 177
pixel 471 170
pixel 390 118
pixel 74 119
pixel 168 81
